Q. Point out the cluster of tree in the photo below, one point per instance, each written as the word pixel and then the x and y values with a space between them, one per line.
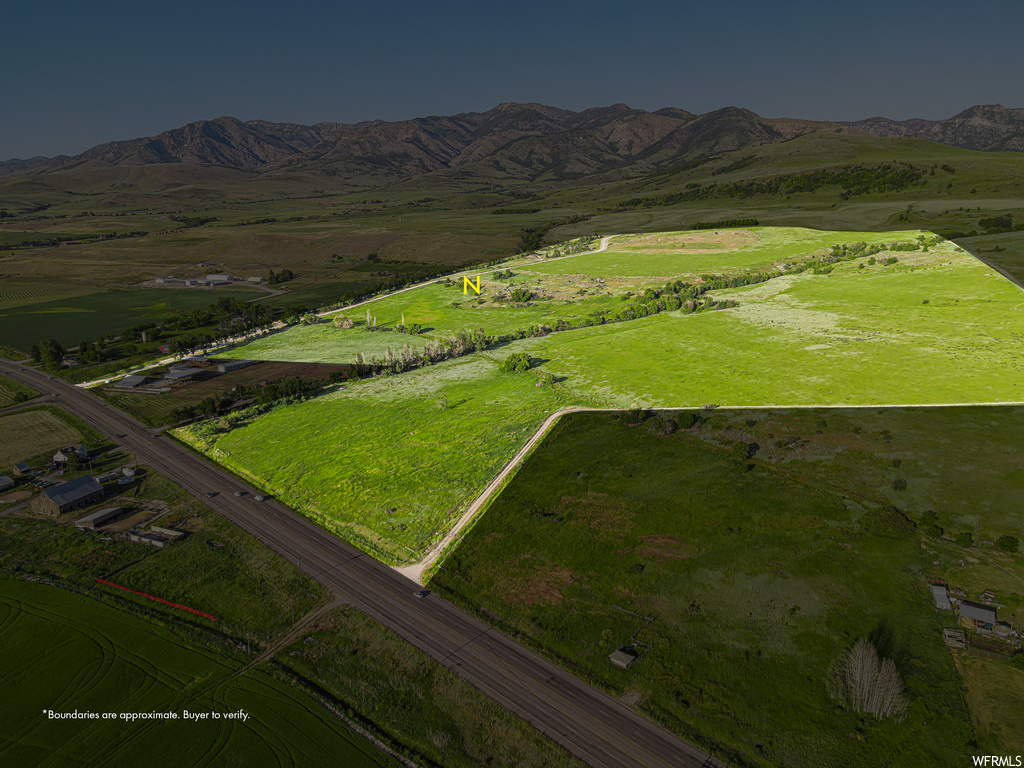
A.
pixel 273 278
pixel 521 295
pixel 724 223
pixel 856 179
pixel 434 351
pixel 579 245
pixel 504 274
pixel 49 352
pixel 51 242
pixel 227 310
pixel 861 681
pixel 743 162
pixel 532 239
pixel 516 210
pixel 193 221
pixel 998 224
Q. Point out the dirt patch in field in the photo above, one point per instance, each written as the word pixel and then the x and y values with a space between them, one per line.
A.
pixel 664 547
pixel 542 587
pixel 10 498
pixel 605 516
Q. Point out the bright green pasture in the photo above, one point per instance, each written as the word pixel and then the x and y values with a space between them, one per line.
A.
pixel 390 463
pixel 774 245
pixel 65 652
pixel 938 326
pixel 855 336
pixel 737 584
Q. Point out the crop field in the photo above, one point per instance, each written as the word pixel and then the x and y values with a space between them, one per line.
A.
pixel 69 320
pixel 737 581
pixel 389 463
pixel 25 434
pixel 928 325
pixel 19 294
pixel 66 652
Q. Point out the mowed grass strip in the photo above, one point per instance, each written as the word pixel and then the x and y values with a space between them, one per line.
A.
pixel 737 585
pixel 63 652
pixel 26 434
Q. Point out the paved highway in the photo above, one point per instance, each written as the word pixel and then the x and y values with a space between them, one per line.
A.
pixel 590 724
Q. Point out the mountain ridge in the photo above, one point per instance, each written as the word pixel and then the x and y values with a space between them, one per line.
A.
pixel 511 140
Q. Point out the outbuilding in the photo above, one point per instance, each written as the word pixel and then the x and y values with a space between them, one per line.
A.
pixel 940 594
pixel 623 657
pixel 978 615
pixel 6 482
pixel 97 519
pixel 233 365
pixel 21 469
pixel 74 494
pixel 130 382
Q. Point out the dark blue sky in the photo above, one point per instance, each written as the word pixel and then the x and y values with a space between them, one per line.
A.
pixel 75 74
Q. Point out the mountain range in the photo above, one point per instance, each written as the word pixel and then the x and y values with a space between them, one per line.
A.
pixel 517 141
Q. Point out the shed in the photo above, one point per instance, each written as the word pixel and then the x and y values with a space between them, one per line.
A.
pixel 234 365
pixel 978 613
pixel 171 533
pixel 623 657
pixel 219 278
pixel 96 519
pixel 74 494
pixel 254 279
pixel 6 482
pixel 130 382
pixel 941 597
pixel 21 469
pixel 148 538
pixel 181 373
pixel 954 638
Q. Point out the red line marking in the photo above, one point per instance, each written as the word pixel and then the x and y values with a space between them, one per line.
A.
pixel 158 599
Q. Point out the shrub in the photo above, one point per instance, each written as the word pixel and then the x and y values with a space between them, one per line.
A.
pixel 888 522
pixel 1008 543
pixel 521 294
pixel 517 362
pixel 964 539
pixel 899 484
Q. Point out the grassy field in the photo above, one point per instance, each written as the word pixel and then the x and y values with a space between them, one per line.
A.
pixel 99 314
pixel 994 694
pixel 370 670
pixel 27 433
pixel 65 652
pixel 935 326
pixel 737 582
pixel 12 392
pixel 389 463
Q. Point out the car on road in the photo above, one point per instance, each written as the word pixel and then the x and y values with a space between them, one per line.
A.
pixel 211 494
pixel 239 493
pixel 421 593
pixel 257 497
pixel 155 434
